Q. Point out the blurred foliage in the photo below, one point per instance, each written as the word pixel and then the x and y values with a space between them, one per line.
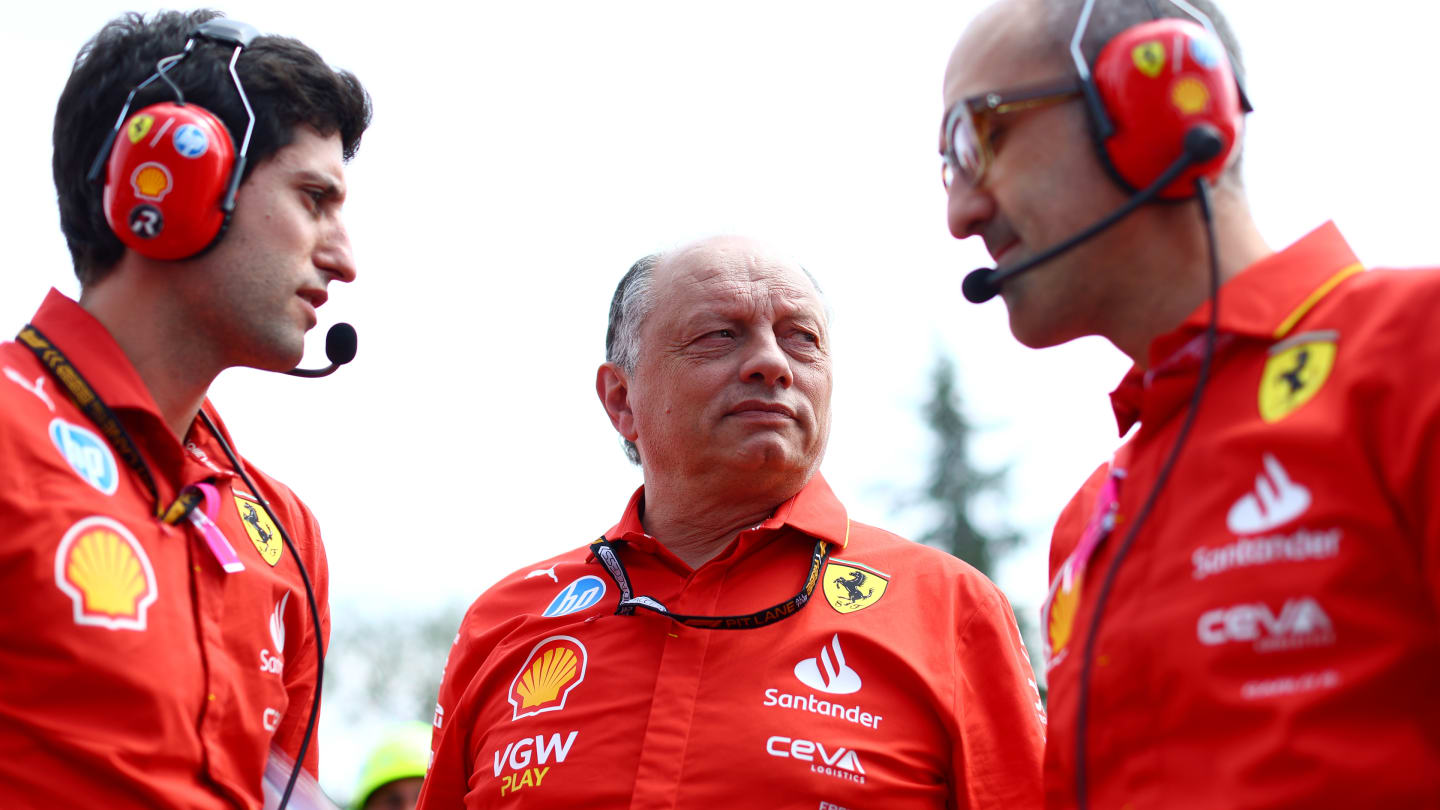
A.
pixel 388 666
pixel 954 489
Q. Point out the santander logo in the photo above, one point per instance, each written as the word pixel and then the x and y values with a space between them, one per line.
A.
pixel 829 673
pixel 1276 500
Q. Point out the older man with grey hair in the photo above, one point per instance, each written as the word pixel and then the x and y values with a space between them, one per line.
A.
pixel 735 628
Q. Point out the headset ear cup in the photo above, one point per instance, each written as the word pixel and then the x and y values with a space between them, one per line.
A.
pixel 165 179
pixel 1158 80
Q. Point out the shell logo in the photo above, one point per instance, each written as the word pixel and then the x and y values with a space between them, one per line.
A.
pixel 554 667
pixel 1190 96
pixel 1059 613
pixel 151 181
pixel 105 572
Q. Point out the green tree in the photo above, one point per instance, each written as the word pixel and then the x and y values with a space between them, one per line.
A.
pixel 954 487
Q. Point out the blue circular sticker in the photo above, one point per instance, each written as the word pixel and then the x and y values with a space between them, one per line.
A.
pixel 1206 52
pixel 190 141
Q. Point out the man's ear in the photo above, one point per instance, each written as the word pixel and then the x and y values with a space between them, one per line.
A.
pixel 613 387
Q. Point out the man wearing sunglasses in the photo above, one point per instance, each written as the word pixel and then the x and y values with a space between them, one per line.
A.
pixel 735 639
pixel 1243 601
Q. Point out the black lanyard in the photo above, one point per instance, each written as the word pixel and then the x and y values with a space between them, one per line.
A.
pixel 85 398
pixel 604 551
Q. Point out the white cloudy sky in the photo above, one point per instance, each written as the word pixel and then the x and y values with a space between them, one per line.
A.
pixel 524 154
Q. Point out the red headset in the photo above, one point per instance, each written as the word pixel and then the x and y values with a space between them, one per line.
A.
pixel 1152 83
pixel 172 169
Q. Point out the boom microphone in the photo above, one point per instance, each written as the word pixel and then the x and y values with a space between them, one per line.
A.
pixel 341 343
pixel 1202 143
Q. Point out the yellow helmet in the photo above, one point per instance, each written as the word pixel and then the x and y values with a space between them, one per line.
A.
pixel 403 752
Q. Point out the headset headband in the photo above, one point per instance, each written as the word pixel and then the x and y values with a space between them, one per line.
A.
pixel 228 32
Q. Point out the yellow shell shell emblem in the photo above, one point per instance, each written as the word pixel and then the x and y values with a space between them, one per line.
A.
pixel 151 181
pixel 1059 613
pixel 554 667
pixel 851 586
pixel 1149 57
pixel 542 682
pixel 106 573
pixel 1190 96
pixel 260 527
pixel 1295 372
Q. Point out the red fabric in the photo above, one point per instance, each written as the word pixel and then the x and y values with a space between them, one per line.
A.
pixel 160 695
pixel 945 713
pixel 1271 638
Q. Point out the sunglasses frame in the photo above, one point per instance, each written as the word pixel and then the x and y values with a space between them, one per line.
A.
pixel 978 113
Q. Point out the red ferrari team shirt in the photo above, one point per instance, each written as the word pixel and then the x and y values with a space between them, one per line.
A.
pixel 135 672
pixel 901 684
pixel 1271 636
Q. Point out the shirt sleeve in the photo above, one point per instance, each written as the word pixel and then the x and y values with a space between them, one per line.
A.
pixel 998 758
pixel 448 779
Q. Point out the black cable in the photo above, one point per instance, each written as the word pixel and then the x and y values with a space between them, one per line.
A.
pixel 309 597
pixel 1202 193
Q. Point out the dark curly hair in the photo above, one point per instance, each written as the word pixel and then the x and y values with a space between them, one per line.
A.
pixel 288 85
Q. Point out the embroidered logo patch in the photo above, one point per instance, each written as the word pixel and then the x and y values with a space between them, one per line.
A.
pixel 852 586
pixel 1296 371
pixel 260 527
pixel 1274 501
pixel 105 572
pixel 552 670
pixel 575 597
pixel 1059 613
pixel 829 673
pixel 88 455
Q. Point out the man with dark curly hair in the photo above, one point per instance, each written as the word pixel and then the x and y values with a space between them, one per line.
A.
pixel 166 601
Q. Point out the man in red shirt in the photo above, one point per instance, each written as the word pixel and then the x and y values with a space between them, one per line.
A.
pixel 160 643
pixel 1243 605
pixel 735 638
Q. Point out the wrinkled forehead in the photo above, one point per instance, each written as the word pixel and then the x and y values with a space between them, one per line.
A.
pixel 738 278
pixel 1006 46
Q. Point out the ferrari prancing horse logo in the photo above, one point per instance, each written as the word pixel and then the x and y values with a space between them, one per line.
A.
pixel 260 527
pixel 850 586
pixel 1295 372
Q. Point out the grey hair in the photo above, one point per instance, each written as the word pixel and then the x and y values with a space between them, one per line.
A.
pixel 1110 17
pixel 632 303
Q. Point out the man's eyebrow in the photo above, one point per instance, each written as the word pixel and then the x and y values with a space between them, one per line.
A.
pixel 327 183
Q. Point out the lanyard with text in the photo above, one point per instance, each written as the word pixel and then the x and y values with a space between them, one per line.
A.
pixel 85 398
pixel 604 551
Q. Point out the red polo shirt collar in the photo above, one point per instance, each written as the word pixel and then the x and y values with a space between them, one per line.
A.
pixel 1263 302
pixel 813 510
pixel 92 349
pixel 94 352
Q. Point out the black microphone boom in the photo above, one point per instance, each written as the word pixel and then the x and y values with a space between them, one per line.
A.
pixel 341 343
pixel 1201 144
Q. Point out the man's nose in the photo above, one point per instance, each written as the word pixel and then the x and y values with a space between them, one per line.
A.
pixel 967 209
pixel 765 361
pixel 334 255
